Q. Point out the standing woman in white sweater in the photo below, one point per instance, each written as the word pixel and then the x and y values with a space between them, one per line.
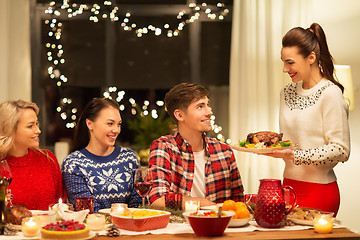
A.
pixel 314 115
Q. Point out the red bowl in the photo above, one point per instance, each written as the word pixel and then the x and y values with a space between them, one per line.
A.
pixel 208 226
pixel 141 224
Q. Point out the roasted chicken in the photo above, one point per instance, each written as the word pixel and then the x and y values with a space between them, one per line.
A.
pixel 15 214
pixel 266 137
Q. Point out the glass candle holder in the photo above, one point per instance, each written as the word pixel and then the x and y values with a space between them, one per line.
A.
pixel 173 201
pixel 31 226
pixel 96 222
pixel 82 203
pixel 118 208
pixel 323 223
pixel 192 205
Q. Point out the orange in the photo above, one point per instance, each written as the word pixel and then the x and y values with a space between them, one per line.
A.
pixel 240 205
pixel 229 205
pixel 242 210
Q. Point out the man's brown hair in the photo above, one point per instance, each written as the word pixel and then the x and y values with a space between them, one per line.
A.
pixel 182 95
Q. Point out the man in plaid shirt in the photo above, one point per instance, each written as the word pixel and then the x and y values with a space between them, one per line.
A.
pixel 188 162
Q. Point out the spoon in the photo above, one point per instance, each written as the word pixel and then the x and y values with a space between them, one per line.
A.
pixel 219 211
pixel 128 211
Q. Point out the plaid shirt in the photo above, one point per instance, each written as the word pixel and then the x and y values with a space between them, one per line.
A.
pixel 172 164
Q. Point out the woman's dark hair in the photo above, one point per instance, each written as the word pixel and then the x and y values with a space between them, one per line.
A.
pixel 310 40
pixel 91 112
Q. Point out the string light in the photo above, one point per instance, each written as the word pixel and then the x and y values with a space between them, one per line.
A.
pixel 110 11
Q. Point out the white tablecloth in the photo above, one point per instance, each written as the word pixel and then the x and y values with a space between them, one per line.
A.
pixel 178 228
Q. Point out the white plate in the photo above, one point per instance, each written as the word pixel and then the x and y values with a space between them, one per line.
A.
pixel 208 208
pixel 105 211
pixel 39 212
pixel 238 222
pixel 259 150
pixel 212 207
pixel 302 221
pixel 91 235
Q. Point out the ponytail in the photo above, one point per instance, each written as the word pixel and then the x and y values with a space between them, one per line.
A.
pixel 310 40
pixel 325 58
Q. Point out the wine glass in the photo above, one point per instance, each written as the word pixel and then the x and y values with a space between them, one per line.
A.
pixel 7 176
pixel 143 182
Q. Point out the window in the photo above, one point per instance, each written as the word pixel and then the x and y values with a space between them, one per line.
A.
pixel 99 55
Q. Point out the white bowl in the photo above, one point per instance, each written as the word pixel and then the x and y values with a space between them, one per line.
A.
pixel 238 222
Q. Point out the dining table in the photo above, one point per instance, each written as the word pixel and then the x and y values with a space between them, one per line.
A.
pixel 337 233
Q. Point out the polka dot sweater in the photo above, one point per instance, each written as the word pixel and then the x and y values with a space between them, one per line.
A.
pixel 317 120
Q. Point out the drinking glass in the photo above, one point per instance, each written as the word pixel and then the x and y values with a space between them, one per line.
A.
pixel 7 176
pixel 143 182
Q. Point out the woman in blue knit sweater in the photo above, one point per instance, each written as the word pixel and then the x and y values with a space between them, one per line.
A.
pixel 96 167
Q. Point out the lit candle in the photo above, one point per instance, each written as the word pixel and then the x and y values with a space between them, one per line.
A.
pixel 323 223
pixel 118 208
pixel 192 205
pixel 95 222
pixel 30 227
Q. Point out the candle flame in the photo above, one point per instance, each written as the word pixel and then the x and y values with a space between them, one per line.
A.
pixel 322 221
pixel 30 223
pixel 60 201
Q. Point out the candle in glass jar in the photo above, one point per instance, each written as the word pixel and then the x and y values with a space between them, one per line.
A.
pixel 96 222
pixel 118 208
pixel 30 227
pixel 323 224
pixel 192 205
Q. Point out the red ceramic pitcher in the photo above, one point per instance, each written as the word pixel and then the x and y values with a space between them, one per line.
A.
pixel 270 211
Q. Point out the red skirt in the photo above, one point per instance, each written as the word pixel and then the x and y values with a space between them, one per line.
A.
pixel 325 197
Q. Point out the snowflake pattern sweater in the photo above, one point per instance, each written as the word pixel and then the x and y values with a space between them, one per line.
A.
pixel 108 179
pixel 317 120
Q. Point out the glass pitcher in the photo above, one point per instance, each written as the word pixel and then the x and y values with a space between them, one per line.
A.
pixel 270 211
